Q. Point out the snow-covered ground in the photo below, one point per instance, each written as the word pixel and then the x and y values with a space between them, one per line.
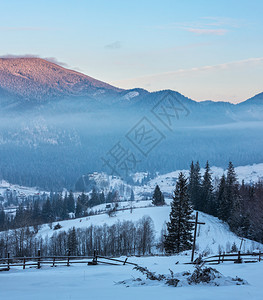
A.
pixel 79 282
pixel 27 191
pixel 210 237
pixel 101 282
pixel 250 174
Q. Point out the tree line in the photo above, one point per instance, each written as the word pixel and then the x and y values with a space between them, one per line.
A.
pixel 121 238
pixel 55 208
pixel 240 205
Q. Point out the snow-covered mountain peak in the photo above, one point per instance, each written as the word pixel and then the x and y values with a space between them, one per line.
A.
pixel 39 79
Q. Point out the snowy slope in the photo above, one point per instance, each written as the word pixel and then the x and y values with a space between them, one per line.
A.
pixel 250 174
pixel 27 191
pixel 211 236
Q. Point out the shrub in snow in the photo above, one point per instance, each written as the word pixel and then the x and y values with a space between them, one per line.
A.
pixel 172 281
pixel 201 275
pixel 207 275
pixel 149 275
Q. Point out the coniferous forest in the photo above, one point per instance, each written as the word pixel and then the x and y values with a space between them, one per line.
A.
pixel 240 205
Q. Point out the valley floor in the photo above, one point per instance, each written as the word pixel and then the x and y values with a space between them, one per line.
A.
pixel 79 282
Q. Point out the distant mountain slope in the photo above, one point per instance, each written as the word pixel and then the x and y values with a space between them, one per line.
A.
pixel 35 78
pixel 57 124
pixel 256 100
pixel 38 79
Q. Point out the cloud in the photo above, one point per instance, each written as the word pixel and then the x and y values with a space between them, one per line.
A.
pixel 50 59
pixel 205 25
pixel 19 56
pixel 221 21
pixel 56 61
pixel 114 45
pixel 183 72
pixel 201 31
pixel 221 82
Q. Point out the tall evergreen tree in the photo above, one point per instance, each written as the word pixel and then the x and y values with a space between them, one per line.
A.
pixel 94 198
pixel 71 202
pixel 47 215
pixel 79 210
pixel 179 228
pixel 132 195
pixel 233 197
pixel 64 212
pixel 102 198
pixel 109 197
pixel 231 187
pixel 158 198
pixel 36 213
pixel 83 199
pixel 72 241
pixel 194 186
pixel 222 203
pixel 207 197
pixel 2 219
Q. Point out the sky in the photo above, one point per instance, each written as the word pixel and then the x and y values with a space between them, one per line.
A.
pixel 204 49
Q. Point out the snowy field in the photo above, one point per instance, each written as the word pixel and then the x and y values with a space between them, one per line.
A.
pixel 99 282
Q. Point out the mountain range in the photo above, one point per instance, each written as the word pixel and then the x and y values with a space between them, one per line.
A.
pixel 57 124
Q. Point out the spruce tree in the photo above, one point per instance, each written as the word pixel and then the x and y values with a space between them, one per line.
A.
pixel 47 212
pixel 79 210
pixel 194 186
pixel 102 198
pixel 179 228
pixel 109 197
pixel 231 191
pixel 83 199
pixel 72 241
pixel 64 212
pixel 158 198
pixel 132 196
pixel 94 198
pixel 71 202
pixel 222 203
pixel 207 203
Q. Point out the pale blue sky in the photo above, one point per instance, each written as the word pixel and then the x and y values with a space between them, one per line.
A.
pixel 203 49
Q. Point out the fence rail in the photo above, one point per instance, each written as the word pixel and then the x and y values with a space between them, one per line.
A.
pixel 37 261
pixel 234 257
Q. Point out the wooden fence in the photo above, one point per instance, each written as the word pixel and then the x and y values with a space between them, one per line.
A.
pixel 38 261
pixel 234 257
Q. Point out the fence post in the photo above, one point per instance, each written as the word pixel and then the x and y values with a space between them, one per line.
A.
pixel 8 261
pixel 24 263
pixel 39 258
pixel 259 256
pixel 68 258
pixel 239 260
pixel 219 259
pixel 95 257
pixel 54 261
